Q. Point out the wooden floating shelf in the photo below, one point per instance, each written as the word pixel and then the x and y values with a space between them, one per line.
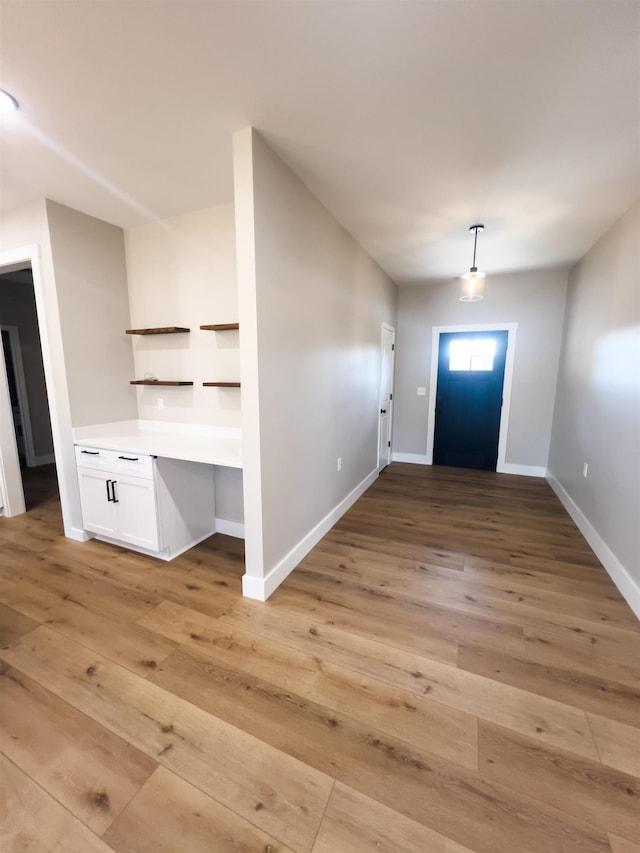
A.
pixel 158 382
pixel 161 330
pixel 221 384
pixel 221 327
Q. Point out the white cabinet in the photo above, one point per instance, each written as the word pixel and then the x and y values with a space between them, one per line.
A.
pixel 159 506
pixel 120 506
pixel 137 514
pixel 118 496
pixel 98 513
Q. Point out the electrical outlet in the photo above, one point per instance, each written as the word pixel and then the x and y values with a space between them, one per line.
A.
pixel 160 403
pixel 421 392
pixel 339 464
pixel 585 469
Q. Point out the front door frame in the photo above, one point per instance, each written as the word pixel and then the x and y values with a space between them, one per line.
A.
pixel 511 329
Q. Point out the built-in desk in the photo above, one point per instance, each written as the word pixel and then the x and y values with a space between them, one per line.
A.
pixel 210 445
pixel 150 485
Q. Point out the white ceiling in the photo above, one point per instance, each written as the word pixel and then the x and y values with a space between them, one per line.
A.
pixel 410 120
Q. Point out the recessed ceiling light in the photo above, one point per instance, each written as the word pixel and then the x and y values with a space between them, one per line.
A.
pixel 7 102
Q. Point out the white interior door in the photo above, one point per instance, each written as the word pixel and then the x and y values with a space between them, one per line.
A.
pixel 386 395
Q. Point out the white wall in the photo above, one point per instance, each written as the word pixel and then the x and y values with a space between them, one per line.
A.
pixel 182 272
pixel 533 300
pixel 597 415
pixel 91 284
pixel 24 226
pixel 312 302
pixel 229 499
pixel 18 308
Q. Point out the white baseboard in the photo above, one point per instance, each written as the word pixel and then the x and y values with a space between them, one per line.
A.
pixel 261 588
pixel 253 587
pixel 43 459
pixel 230 528
pixel 164 555
pixel 78 534
pixel 628 588
pixel 413 458
pixel 504 468
pixel 522 470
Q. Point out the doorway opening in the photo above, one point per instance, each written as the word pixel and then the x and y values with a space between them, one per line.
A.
pixel 385 418
pixel 24 388
pixel 510 330
pixel 469 399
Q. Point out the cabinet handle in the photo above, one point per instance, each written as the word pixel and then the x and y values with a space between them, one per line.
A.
pixel 111 495
pixel 91 452
pixel 129 458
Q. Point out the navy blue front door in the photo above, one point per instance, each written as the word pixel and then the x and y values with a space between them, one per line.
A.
pixel 469 399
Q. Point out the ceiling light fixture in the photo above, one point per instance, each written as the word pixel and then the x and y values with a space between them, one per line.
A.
pixel 473 281
pixel 7 102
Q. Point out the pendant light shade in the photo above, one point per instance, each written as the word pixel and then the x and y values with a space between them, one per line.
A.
pixel 473 281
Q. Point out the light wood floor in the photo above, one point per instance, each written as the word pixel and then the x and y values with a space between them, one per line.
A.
pixel 449 670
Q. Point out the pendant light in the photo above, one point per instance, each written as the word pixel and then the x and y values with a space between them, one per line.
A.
pixel 473 281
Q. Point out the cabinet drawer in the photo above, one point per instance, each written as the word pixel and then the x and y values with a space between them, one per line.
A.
pixel 133 464
pixel 94 457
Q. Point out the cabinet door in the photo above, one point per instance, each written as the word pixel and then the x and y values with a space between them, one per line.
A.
pixel 137 512
pixel 98 513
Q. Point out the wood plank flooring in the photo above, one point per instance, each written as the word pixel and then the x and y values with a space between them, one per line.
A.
pixel 450 670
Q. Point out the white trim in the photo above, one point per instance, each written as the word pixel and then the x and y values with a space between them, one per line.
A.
pixel 385 327
pixel 243 189
pixel 627 586
pixel 261 588
pixel 511 329
pixel 522 470
pixel 164 554
pixel 505 468
pixel 414 458
pixel 230 528
pixel 253 587
pixel 48 312
pixel 79 535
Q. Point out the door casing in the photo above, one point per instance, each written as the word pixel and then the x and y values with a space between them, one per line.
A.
pixel 511 329
pixel 57 393
pixel 385 398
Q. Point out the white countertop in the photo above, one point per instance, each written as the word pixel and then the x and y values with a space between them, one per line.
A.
pixel 191 442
